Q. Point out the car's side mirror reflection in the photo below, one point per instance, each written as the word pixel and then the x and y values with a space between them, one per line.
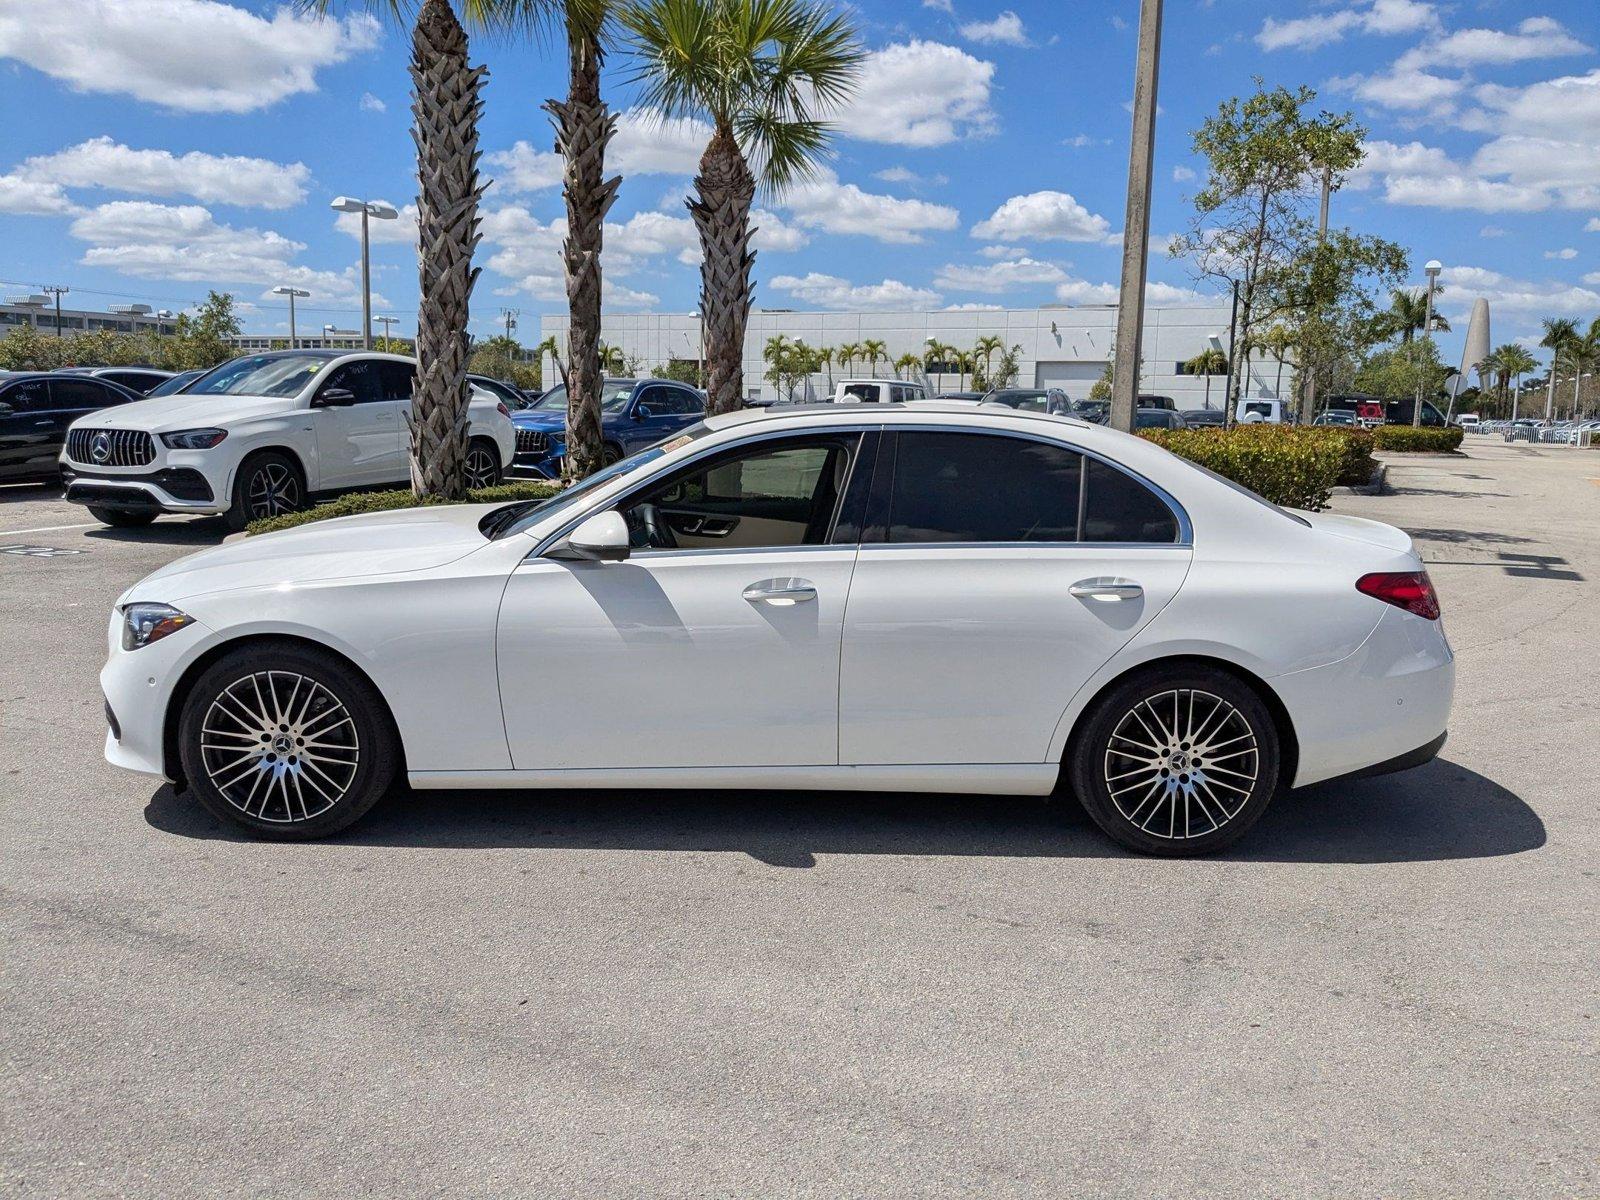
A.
pixel 335 398
pixel 641 412
pixel 600 538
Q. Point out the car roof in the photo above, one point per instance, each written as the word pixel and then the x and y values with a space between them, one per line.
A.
pixel 889 412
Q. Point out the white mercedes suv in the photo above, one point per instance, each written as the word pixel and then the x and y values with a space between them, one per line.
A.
pixel 264 434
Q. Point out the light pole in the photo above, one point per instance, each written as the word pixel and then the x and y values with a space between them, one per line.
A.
pixel 58 292
pixel 382 212
pixel 388 327
pixel 1432 269
pixel 290 292
pixel 1136 223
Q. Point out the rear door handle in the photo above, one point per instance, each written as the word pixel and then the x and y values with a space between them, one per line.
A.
pixel 1105 589
pixel 781 592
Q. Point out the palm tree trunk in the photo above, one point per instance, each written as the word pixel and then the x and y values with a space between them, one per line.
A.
pixel 446 107
pixel 584 125
pixel 724 190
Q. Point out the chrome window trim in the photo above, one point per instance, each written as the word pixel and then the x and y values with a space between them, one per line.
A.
pixel 1185 539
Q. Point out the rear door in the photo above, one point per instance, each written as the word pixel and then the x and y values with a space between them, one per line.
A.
pixel 997 574
pixel 28 439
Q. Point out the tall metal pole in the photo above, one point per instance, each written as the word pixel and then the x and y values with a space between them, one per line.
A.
pixel 1136 222
pixel 292 345
pixel 366 285
pixel 1309 408
pixel 1427 332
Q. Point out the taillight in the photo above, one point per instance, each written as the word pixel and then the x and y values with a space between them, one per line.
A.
pixel 504 411
pixel 1410 590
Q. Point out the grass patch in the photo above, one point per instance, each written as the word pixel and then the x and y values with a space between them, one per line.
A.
pixel 354 504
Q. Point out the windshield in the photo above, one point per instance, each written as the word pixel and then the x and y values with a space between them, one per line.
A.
pixel 170 387
pixel 613 398
pixel 1026 401
pixel 514 518
pixel 260 375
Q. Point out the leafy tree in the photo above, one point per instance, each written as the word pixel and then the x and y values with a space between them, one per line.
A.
pixel 1100 389
pixel 986 348
pixel 848 353
pixel 1408 312
pixel 758 71
pixel 1208 362
pixel 1266 155
pixel 873 349
pixel 503 357
pixel 681 370
pixel 1404 372
pixel 906 363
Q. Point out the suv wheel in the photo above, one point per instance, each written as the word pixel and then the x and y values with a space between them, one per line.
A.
pixel 483 464
pixel 287 742
pixel 122 518
pixel 267 485
pixel 1178 761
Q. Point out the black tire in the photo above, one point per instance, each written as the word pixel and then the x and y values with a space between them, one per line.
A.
pixel 267 484
pixel 483 464
pixel 317 771
pixel 1134 768
pixel 610 453
pixel 122 518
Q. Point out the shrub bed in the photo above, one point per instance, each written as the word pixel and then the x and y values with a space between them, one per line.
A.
pixel 1418 438
pixel 1357 465
pixel 1291 466
pixel 355 503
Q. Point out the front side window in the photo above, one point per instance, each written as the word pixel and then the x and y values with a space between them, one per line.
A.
pixel 30 395
pixel 973 487
pixel 71 393
pixel 773 495
pixel 360 378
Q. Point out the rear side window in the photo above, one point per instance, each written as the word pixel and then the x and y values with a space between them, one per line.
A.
pixel 861 391
pixel 395 379
pixel 973 487
pixel 1118 508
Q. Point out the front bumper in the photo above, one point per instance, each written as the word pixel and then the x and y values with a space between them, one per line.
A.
pixel 138 687
pixel 169 489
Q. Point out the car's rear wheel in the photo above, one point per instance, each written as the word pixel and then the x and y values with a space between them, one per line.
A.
pixel 1177 761
pixel 483 464
pixel 286 741
pixel 122 518
pixel 267 485
pixel 610 453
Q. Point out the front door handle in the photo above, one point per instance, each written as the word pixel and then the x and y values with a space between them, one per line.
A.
pixel 1105 589
pixel 781 592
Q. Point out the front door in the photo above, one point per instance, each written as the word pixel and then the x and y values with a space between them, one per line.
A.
pixel 996 576
pixel 357 444
pixel 31 433
pixel 716 644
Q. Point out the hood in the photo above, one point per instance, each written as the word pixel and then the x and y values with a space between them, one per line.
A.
pixel 553 421
pixel 167 413
pixel 408 539
pixel 1359 529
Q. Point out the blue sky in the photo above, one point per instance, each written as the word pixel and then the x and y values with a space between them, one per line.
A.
pixel 157 148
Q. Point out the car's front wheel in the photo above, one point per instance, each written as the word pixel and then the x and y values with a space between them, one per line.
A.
pixel 267 485
pixel 287 741
pixel 1177 761
pixel 483 464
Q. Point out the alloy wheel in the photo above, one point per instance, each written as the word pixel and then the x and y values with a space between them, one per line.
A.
pixel 279 746
pixel 273 491
pixel 1181 764
pixel 481 467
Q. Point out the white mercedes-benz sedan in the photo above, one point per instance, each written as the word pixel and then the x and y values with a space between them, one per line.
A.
pixel 873 597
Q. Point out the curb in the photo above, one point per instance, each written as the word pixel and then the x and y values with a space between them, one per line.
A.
pixel 1378 485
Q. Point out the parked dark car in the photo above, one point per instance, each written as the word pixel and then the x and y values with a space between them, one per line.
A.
pixel 634 413
pixel 1148 418
pixel 1150 400
pixel 1395 412
pixel 1205 418
pixel 508 394
pixel 35 409
pixel 141 381
pixel 1336 416
pixel 1045 400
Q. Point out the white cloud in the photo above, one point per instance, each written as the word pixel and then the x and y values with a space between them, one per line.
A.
pixel 524 169
pixel 185 242
pixel 1381 17
pixel 1081 291
pixel 1043 216
pixel 1006 29
pixel 1000 250
pixel 908 177
pixel 829 291
pixel 1182 174
pixel 998 276
pixel 1491 231
pixel 973 306
pixel 1508 174
pixel 191 55
pixel 1592 225
pixel 211 178
pixel 402 231
pixel 22 197
pixel 1536 39
pixel 945 6
pixel 1404 90
pixel 1565 109
pixel 920 94
pixel 1080 140
pixel 371 103
pixel 833 207
pixel 1566 252
pixel 773 235
pixel 1514 297
pixel 644 144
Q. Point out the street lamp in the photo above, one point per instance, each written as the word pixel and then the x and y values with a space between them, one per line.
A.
pixel 367 209
pixel 388 324
pixel 1431 269
pixel 290 292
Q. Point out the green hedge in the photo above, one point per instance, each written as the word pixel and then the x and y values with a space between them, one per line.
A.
pixel 1357 465
pixel 356 503
pixel 1418 438
pixel 1297 467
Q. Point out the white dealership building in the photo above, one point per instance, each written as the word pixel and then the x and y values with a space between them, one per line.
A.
pixel 1065 347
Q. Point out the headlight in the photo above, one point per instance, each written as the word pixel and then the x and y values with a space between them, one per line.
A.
pixel 145 623
pixel 193 439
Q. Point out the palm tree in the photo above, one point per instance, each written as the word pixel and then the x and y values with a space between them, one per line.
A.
pixel 906 362
pixel 873 350
pixel 986 348
pixel 1278 341
pixel 934 359
pixel 966 364
pixel 848 353
pixel 1559 332
pixel 1515 362
pixel 1408 312
pixel 825 359
pixel 755 69
pixel 1208 362
pixel 446 105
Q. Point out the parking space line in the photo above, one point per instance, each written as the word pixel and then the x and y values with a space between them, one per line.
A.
pixel 47 529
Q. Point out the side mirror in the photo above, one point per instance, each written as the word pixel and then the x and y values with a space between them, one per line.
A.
pixel 5 409
pixel 641 411
pixel 601 538
pixel 335 398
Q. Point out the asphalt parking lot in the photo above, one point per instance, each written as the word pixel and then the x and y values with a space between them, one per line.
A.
pixel 1389 989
